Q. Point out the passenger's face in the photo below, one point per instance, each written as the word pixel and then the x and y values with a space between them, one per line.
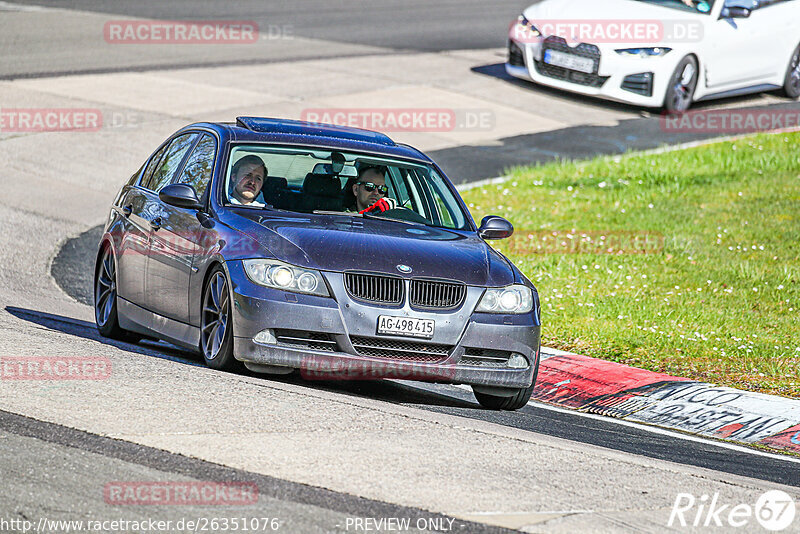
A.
pixel 364 198
pixel 249 181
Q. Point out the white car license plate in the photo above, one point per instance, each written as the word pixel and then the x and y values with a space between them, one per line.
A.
pixel 569 61
pixel 406 326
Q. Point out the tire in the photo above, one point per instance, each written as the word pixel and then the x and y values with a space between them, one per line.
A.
pixel 514 402
pixel 791 82
pixel 105 299
pixel 216 326
pixel 681 87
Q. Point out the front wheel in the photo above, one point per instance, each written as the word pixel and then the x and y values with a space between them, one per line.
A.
pixel 680 90
pixel 105 299
pixel 791 84
pixel 495 402
pixel 216 329
pixel 515 401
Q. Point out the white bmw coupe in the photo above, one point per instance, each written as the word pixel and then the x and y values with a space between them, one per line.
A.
pixel 659 53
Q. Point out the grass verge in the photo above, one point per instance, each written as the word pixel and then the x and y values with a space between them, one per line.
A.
pixel 685 262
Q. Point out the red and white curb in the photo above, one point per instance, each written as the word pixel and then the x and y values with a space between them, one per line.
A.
pixel 612 389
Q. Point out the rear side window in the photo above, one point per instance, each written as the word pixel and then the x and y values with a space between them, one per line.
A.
pixel 151 167
pixel 200 166
pixel 169 163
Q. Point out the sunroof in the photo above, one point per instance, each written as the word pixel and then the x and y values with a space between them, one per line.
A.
pixel 286 126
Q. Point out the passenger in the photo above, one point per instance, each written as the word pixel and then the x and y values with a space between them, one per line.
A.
pixel 247 179
pixel 367 192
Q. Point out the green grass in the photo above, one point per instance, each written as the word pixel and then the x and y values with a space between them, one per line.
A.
pixel 717 300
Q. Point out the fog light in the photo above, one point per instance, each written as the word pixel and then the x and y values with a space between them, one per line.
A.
pixel 517 361
pixel 265 337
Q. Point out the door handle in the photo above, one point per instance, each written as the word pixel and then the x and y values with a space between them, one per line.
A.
pixel 155 224
pixel 127 210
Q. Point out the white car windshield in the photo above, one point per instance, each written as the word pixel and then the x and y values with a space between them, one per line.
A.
pixel 694 6
pixel 309 179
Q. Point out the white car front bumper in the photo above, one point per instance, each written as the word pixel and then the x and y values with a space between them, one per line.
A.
pixel 620 78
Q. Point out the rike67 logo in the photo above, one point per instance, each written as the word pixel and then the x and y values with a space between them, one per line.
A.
pixel 774 511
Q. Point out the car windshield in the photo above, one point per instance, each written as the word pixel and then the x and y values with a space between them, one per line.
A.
pixel 694 6
pixel 311 180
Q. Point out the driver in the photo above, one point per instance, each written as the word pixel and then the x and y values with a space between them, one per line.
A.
pixel 247 178
pixel 370 191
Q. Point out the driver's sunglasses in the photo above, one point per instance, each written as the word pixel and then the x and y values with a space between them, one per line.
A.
pixel 370 187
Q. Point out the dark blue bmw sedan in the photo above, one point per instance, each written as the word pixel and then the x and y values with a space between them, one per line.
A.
pixel 282 245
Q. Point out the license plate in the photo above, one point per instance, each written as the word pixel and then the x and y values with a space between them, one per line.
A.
pixel 405 326
pixel 569 61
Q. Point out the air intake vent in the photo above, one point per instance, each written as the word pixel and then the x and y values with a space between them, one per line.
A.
pixel 306 340
pixel 515 57
pixel 437 294
pixel 400 350
pixel 375 288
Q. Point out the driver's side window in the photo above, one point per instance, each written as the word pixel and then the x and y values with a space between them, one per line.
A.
pixel 199 167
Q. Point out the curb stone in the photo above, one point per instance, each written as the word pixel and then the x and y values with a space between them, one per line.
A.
pixel 616 390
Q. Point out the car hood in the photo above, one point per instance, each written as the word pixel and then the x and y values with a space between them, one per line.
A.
pixel 341 243
pixel 565 11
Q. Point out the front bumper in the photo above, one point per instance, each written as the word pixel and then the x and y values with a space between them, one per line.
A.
pixel 317 335
pixel 612 80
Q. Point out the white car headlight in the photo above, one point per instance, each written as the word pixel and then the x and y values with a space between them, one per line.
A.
pixel 280 275
pixel 510 299
pixel 644 52
pixel 523 30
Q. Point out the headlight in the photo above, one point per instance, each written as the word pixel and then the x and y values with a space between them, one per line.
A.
pixel 511 299
pixel 280 275
pixel 644 52
pixel 523 30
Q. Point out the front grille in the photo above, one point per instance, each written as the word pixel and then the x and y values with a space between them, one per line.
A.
pixel 485 357
pixel 306 340
pixel 568 75
pixel 379 289
pixel 560 73
pixel 437 294
pixel 641 83
pixel 400 350
pixel 515 57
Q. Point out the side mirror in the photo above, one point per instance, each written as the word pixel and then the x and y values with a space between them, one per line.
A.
pixel 180 195
pixel 734 12
pixel 494 227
